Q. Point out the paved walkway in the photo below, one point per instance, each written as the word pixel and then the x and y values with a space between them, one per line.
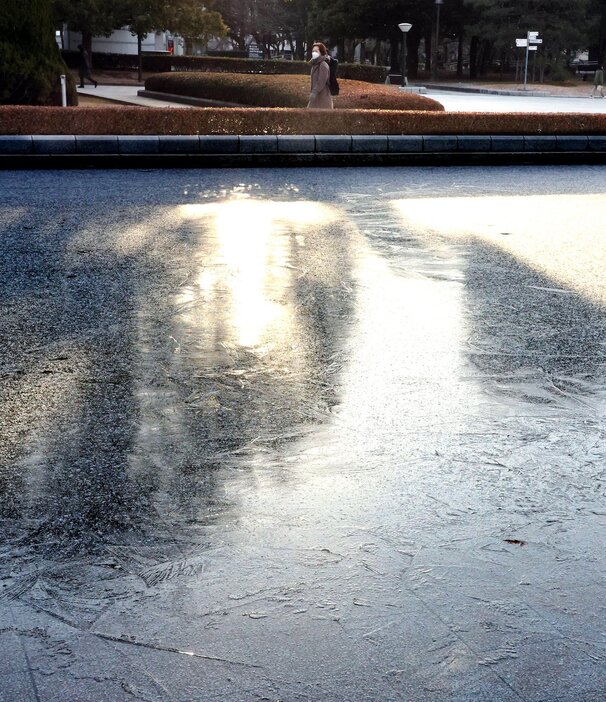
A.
pixel 125 94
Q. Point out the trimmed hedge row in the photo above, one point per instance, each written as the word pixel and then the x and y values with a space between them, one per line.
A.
pixel 152 120
pixel 284 91
pixel 217 64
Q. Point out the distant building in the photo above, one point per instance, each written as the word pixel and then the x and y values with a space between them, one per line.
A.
pixel 122 41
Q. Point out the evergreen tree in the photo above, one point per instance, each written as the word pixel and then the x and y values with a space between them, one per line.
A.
pixel 189 19
pixel 92 18
pixel 30 61
pixel 562 24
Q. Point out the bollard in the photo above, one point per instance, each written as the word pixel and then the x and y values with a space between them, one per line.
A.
pixel 63 91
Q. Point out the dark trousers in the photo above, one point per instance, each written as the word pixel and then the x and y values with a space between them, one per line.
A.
pixel 85 73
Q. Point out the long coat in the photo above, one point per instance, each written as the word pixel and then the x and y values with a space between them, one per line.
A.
pixel 320 97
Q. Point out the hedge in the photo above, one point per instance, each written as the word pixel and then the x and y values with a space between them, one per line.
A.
pixel 153 120
pixel 284 91
pixel 214 64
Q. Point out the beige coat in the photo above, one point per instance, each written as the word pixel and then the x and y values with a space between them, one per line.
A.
pixel 320 97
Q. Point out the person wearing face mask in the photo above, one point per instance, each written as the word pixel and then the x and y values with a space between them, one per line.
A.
pixel 320 97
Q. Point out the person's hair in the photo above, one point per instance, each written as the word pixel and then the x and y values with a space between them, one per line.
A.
pixel 323 49
pixel 80 47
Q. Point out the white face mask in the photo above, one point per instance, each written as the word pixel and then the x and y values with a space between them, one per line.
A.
pixel 315 54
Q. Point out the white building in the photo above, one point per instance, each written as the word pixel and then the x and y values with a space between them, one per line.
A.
pixel 122 41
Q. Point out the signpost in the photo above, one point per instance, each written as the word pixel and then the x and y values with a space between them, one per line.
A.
pixel 530 44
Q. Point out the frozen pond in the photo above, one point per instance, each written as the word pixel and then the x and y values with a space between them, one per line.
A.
pixel 303 434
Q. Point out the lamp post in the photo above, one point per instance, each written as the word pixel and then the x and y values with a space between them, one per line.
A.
pixel 434 47
pixel 405 27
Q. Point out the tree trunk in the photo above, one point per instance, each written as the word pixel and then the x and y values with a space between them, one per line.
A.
pixel 239 41
pixel 602 37
pixel 87 43
pixel 542 70
pixel 473 58
pixel 394 54
pixel 428 45
pixel 460 53
pixel 139 42
pixel 382 53
pixel 350 50
pixel 485 56
pixel 300 46
pixel 412 54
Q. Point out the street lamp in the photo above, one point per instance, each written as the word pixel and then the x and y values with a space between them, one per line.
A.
pixel 434 48
pixel 405 27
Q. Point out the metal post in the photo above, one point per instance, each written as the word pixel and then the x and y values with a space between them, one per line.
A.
pixel 404 27
pixel 404 76
pixel 63 91
pixel 526 61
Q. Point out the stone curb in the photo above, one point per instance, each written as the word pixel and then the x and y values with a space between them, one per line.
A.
pixel 487 91
pixel 320 144
pixel 76 151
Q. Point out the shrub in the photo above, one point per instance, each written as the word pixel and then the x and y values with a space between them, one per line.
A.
pixel 283 91
pixel 215 64
pixel 120 62
pixel 30 63
pixel 208 64
pixel 153 120
pixel 236 53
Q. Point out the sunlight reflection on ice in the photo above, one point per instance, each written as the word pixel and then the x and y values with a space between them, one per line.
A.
pixel 251 258
pixel 542 231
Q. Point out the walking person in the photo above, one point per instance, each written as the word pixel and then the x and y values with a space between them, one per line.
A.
pixel 320 97
pixel 84 67
pixel 598 82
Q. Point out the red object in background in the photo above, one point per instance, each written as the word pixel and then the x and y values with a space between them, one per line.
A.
pixel 171 46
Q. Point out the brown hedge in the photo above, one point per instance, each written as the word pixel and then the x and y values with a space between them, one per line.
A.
pixel 153 120
pixel 284 91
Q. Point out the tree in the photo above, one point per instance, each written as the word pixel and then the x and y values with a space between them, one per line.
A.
pixel 381 22
pixel 297 12
pixel 562 25
pixel 597 30
pixel 30 61
pixel 196 22
pixel 91 18
pixel 185 17
pixel 237 15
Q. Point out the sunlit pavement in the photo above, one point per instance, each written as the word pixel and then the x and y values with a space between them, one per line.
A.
pixel 303 435
pixel 477 102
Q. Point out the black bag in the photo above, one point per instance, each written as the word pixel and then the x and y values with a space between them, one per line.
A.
pixel 333 83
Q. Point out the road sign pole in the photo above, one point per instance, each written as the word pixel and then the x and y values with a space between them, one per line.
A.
pixel 526 62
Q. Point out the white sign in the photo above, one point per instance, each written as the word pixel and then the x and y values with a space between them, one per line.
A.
pixel 536 41
pixel 532 48
pixel 533 35
pixel 521 42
